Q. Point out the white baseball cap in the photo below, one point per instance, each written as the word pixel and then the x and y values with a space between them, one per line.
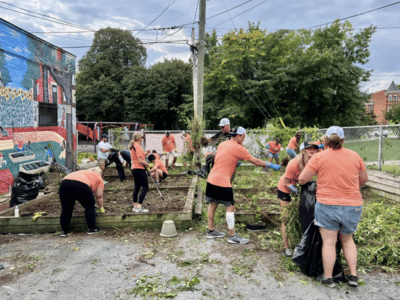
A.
pixel 238 130
pixel 223 122
pixel 335 130
pixel 183 132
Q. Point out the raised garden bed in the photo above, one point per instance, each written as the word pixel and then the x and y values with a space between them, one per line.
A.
pixel 383 184
pixel 177 206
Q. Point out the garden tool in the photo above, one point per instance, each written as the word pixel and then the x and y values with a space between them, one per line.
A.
pixel 38 214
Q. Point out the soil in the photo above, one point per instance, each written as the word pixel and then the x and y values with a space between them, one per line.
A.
pixel 129 183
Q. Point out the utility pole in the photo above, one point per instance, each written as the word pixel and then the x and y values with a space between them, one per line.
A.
pixel 198 109
pixel 194 61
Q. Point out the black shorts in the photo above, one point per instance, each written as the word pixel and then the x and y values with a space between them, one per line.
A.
pixel 284 196
pixel 164 175
pixel 219 195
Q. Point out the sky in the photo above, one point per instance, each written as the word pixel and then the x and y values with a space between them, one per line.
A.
pixel 156 16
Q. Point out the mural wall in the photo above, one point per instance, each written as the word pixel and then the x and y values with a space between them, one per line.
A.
pixel 37 99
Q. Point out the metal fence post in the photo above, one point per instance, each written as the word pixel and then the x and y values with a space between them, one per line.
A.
pixel 380 149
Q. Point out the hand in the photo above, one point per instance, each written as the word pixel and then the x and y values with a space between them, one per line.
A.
pixel 239 163
pixel 151 165
pixel 102 210
pixel 165 152
pixel 293 189
pixel 272 166
pixel 176 150
pixel 267 146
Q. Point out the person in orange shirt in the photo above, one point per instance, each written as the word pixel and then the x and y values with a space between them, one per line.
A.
pixel 287 184
pixel 188 149
pixel 321 143
pixel 158 169
pixel 81 186
pixel 169 147
pixel 154 152
pixel 219 187
pixel 293 145
pixel 138 170
pixel 274 147
pixel 339 204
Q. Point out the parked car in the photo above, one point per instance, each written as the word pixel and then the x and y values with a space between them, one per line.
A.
pixel 385 133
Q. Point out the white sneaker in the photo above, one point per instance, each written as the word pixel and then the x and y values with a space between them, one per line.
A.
pixel 288 252
pixel 105 182
pixel 135 209
pixel 141 209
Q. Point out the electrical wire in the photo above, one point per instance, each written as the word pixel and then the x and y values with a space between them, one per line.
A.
pixel 241 13
pixel 229 15
pixel 169 4
pixel 179 42
pixel 360 14
pixel 195 14
pixel 228 9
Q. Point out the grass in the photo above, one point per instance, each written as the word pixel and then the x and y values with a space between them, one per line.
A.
pixel 368 149
pixel 391 169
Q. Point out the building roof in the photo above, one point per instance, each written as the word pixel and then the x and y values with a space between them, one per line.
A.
pixel 392 89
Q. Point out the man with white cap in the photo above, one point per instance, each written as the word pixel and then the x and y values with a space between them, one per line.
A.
pixel 224 134
pixel 219 187
pixel 169 148
pixel 103 150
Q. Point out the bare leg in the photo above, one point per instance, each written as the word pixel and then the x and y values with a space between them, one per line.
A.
pixel 103 170
pixel 211 213
pixel 284 209
pixel 277 160
pixel 270 160
pixel 158 175
pixel 166 163
pixel 350 252
pixel 329 238
pixel 173 162
pixel 231 209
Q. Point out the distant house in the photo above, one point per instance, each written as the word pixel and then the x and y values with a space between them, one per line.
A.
pixel 382 102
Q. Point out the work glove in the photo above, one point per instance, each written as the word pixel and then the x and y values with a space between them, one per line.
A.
pixel 165 152
pixel 239 163
pixel 176 150
pixel 267 146
pixel 272 166
pixel 151 165
pixel 38 214
pixel 293 189
pixel 321 146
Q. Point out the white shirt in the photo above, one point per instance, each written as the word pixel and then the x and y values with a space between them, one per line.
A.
pixel 101 154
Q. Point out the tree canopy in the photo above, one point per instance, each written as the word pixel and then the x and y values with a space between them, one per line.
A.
pixel 306 77
pixel 393 116
pixel 113 54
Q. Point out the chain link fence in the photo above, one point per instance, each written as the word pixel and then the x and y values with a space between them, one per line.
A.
pixel 378 145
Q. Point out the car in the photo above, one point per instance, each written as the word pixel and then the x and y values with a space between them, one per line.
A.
pixel 385 133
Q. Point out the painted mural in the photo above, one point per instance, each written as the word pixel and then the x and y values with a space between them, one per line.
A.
pixel 37 103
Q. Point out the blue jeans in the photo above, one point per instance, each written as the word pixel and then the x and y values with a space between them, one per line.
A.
pixel 291 153
pixel 338 217
pixel 276 155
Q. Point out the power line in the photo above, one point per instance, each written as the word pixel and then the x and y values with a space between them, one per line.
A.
pixel 229 15
pixel 54 21
pixel 228 9
pixel 169 4
pixel 363 13
pixel 118 45
pixel 195 14
pixel 241 13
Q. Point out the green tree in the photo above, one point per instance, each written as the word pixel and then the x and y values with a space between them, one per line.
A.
pixel 393 116
pixel 99 91
pixel 306 77
pixel 155 95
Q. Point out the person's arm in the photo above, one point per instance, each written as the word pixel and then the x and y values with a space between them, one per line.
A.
pixel 143 162
pixel 363 177
pixel 264 164
pixel 99 196
pixel 104 150
pixel 306 176
pixel 288 184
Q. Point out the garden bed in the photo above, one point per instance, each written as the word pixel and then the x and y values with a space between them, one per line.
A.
pixel 177 205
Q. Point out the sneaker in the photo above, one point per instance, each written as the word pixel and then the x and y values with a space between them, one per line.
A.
pixel 142 210
pixel 105 182
pixel 235 239
pixel 214 234
pixel 328 282
pixel 64 233
pixel 288 252
pixel 352 280
pixel 135 209
pixel 93 230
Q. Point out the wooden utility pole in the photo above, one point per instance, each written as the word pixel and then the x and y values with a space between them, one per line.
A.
pixel 198 109
pixel 194 61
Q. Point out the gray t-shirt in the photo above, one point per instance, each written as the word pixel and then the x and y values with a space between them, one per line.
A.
pixel 101 154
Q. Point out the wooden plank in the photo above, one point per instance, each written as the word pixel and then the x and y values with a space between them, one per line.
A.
pixel 151 187
pixel 383 187
pixel 190 197
pixel 130 175
pixel 199 203
pixel 383 175
pixel 10 211
pixel 387 195
pixel 385 181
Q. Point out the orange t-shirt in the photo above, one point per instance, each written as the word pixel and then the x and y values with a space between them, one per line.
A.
pixel 274 147
pixel 188 144
pixel 293 143
pixel 292 172
pixel 160 165
pixel 134 157
pixel 168 143
pixel 338 176
pixel 89 177
pixel 157 156
pixel 226 158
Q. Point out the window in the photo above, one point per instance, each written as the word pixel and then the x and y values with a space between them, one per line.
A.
pixel 370 108
pixel 395 98
pixel 47 114
pixel 389 108
pixel 390 97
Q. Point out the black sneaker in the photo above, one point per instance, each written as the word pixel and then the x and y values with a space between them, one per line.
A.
pixel 64 233
pixel 352 280
pixel 329 282
pixel 93 230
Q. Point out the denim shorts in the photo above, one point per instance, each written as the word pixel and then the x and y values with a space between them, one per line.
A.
pixel 291 153
pixel 338 217
pixel 276 155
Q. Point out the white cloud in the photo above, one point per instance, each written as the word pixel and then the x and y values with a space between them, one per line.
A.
pixel 381 82
pixel 17 49
pixel 8 57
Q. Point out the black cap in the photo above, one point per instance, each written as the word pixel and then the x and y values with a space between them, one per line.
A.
pixel 151 157
pixel 104 136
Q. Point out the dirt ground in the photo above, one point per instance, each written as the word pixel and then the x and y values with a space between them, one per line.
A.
pixel 119 264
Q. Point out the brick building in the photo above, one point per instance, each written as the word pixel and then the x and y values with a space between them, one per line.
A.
pixel 382 102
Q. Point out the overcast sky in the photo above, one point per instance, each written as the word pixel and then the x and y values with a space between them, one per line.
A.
pixel 273 15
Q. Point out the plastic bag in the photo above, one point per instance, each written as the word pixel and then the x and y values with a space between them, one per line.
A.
pixel 113 158
pixel 307 204
pixel 26 187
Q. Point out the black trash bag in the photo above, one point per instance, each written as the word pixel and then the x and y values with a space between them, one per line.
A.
pixel 127 157
pixel 26 187
pixel 307 204
pixel 113 158
pixel 308 254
